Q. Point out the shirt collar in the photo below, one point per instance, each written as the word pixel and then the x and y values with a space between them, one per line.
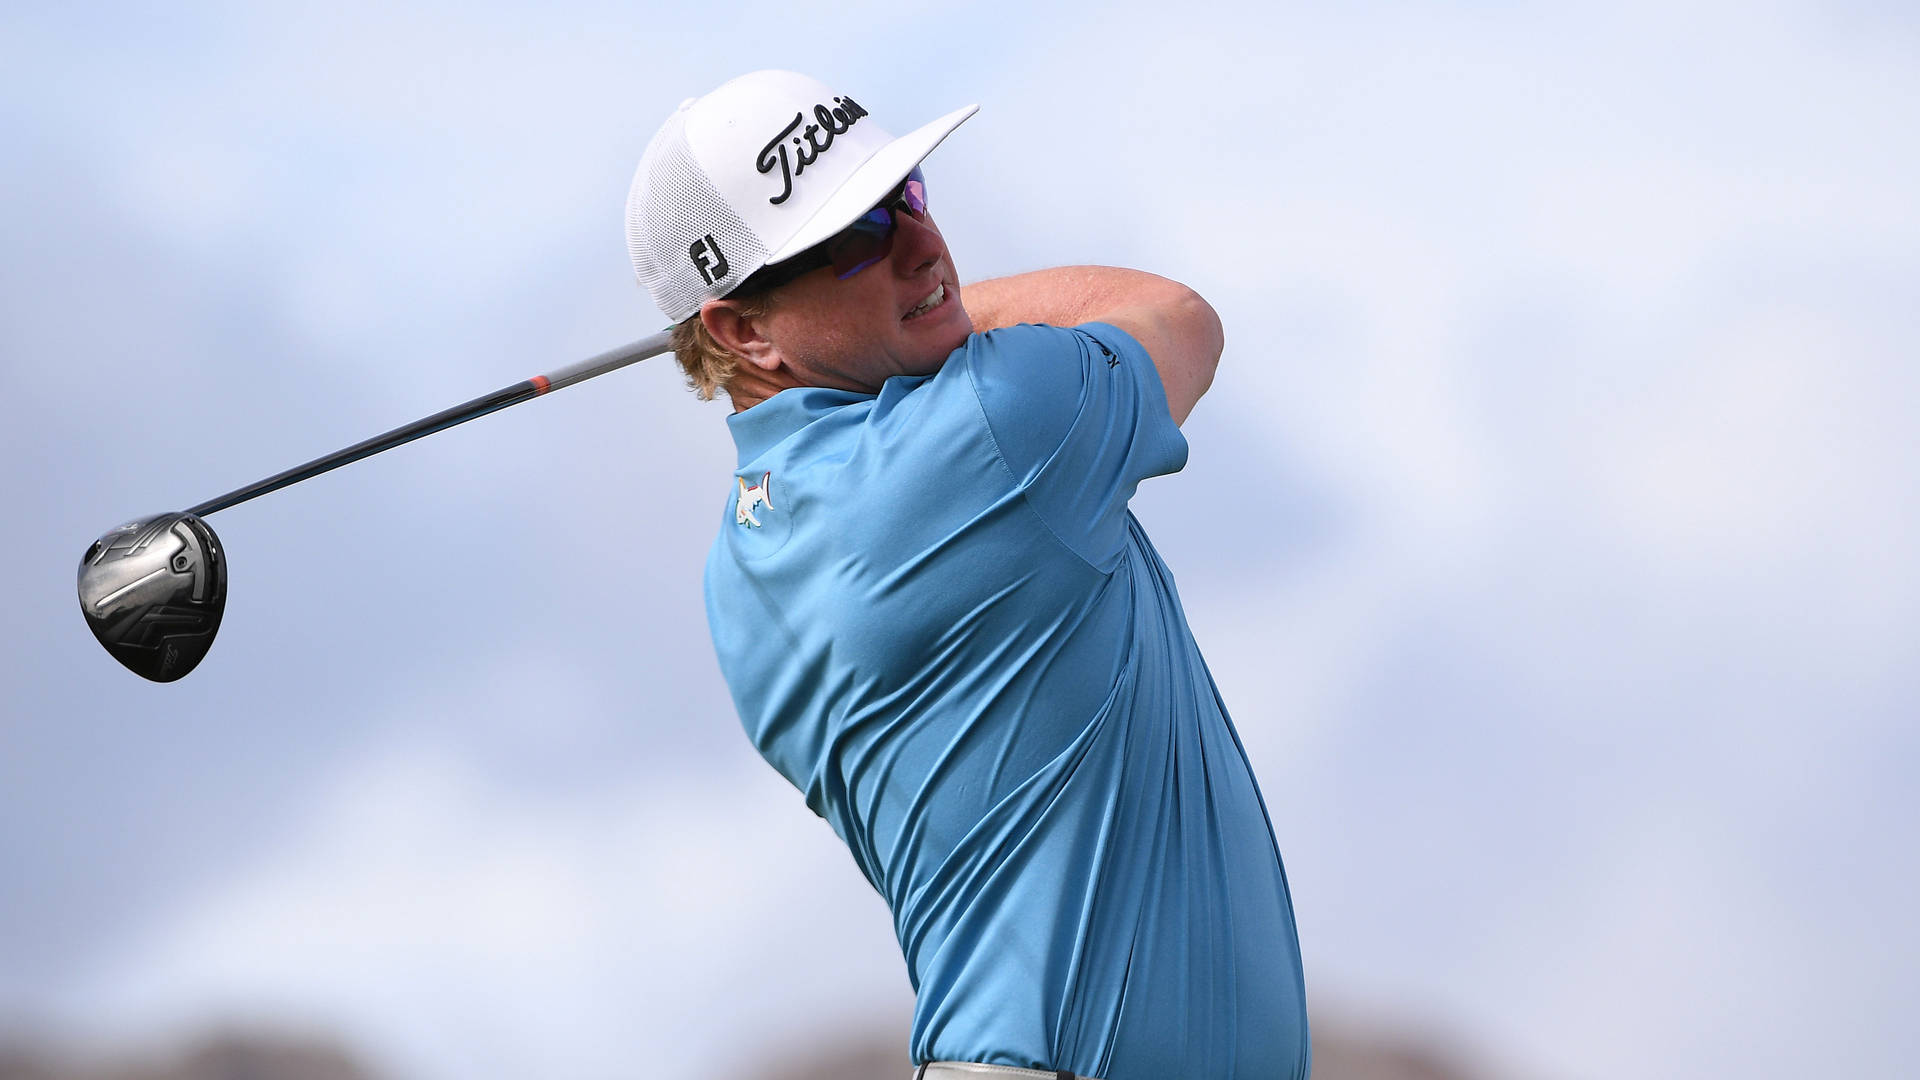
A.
pixel 762 427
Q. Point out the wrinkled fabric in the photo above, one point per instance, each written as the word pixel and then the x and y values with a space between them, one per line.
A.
pixel 945 628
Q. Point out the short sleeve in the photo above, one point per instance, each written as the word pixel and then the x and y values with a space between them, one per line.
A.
pixel 1080 418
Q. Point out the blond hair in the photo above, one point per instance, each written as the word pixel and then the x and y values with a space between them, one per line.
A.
pixel 709 365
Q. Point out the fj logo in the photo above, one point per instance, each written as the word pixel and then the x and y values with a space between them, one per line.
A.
pixel 760 494
pixel 708 259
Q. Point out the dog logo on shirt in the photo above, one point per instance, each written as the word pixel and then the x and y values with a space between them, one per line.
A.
pixel 760 494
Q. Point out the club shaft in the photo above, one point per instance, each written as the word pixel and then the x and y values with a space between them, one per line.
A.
pixel 591 367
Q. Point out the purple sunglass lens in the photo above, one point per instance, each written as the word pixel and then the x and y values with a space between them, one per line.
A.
pixel 870 238
pixel 914 192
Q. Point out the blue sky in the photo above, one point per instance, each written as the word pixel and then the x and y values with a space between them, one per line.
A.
pixel 1548 528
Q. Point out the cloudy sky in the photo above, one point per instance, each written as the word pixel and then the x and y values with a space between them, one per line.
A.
pixel 1550 527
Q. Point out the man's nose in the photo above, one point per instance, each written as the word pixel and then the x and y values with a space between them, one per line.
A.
pixel 917 244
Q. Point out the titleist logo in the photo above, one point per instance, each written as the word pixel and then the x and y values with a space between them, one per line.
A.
pixel 808 142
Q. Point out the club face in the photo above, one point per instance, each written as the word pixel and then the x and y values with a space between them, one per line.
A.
pixel 153 591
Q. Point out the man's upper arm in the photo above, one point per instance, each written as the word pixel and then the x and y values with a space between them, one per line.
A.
pixel 1178 329
pixel 1182 334
pixel 1079 419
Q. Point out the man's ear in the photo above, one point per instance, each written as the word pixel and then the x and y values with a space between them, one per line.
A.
pixel 739 334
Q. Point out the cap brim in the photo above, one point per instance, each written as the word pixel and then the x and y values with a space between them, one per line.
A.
pixel 873 179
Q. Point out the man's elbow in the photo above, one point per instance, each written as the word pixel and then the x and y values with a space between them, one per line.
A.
pixel 1203 339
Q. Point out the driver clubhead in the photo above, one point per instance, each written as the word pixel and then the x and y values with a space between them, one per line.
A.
pixel 153 591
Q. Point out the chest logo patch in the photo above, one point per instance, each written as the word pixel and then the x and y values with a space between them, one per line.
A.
pixel 760 494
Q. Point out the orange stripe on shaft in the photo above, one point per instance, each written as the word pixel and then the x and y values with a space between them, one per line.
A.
pixel 539 384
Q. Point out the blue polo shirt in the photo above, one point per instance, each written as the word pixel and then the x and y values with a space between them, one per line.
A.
pixel 939 620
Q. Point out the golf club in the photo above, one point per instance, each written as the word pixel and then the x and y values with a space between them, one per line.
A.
pixel 153 590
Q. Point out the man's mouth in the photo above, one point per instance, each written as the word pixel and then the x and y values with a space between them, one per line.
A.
pixel 933 300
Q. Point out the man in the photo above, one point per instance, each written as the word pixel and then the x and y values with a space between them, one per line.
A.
pixel 936 615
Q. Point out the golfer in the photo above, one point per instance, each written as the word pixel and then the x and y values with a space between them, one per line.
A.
pixel 935 613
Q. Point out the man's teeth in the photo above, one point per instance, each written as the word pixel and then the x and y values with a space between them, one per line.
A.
pixel 939 294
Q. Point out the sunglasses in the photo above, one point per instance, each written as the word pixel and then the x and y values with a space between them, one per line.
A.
pixel 854 248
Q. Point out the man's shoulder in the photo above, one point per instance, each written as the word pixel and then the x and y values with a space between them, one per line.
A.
pixel 1036 383
pixel 858 474
pixel 1039 362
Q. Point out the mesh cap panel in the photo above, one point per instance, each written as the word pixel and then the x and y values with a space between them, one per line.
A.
pixel 686 242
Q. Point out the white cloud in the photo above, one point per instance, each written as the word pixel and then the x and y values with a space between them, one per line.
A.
pixel 457 928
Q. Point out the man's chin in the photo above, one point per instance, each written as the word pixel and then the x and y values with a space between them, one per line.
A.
pixel 938 354
pixel 950 328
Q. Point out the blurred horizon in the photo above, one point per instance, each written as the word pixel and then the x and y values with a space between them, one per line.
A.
pixel 1546 528
pixel 1340 1052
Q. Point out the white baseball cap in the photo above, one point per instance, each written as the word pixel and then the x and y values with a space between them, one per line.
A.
pixel 761 169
